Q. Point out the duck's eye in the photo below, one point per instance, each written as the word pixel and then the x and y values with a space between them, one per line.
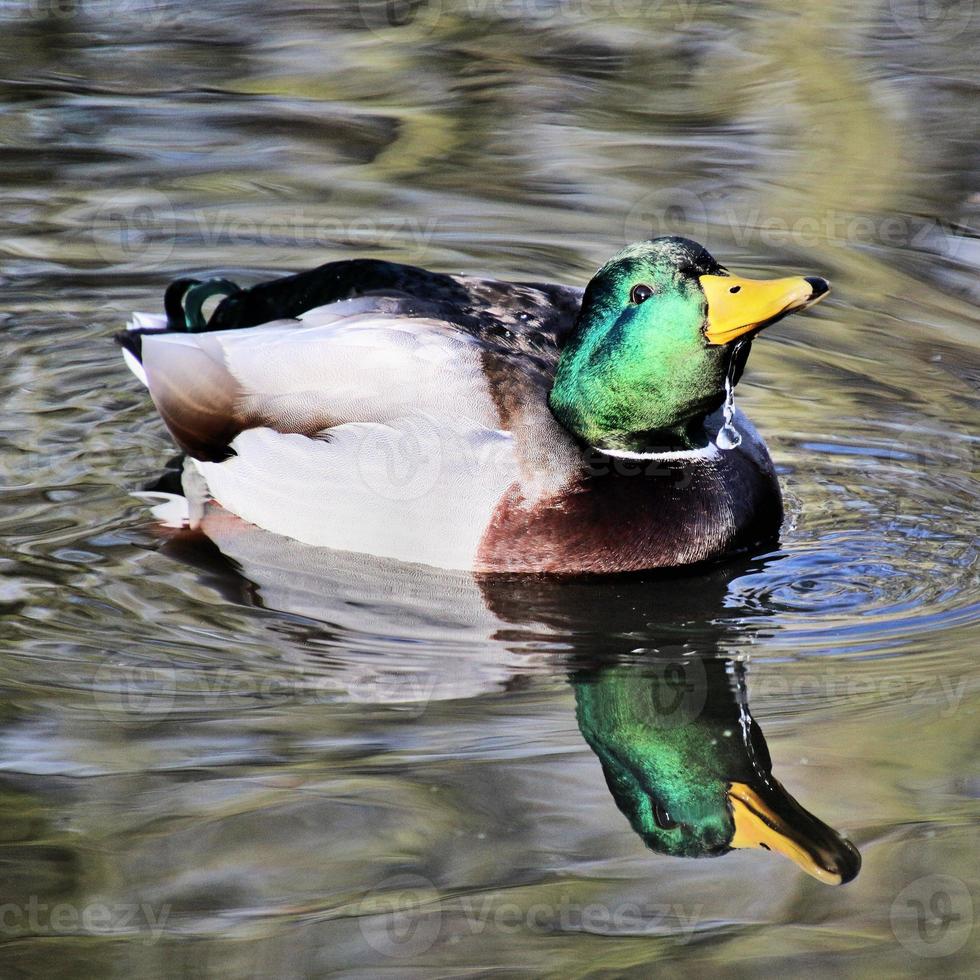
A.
pixel 640 292
pixel 662 817
pixel 734 289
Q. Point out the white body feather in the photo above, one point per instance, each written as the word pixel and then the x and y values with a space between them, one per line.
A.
pixel 363 432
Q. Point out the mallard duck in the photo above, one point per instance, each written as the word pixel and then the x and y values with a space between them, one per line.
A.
pixel 474 424
pixel 689 767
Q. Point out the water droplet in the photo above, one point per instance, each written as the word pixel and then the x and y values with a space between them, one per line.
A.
pixel 728 436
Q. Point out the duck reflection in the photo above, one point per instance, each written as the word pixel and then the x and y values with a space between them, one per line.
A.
pixel 689 767
pixel 667 714
pixel 657 701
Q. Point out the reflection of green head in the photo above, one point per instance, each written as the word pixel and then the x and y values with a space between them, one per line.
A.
pixel 690 769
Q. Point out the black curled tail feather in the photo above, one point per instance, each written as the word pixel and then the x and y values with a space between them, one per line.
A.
pixel 173 303
pixel 185 298
pixel 183 302
pixel 289 297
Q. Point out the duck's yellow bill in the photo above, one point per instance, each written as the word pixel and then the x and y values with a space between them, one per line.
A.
pixel 778 823
pixel 737 307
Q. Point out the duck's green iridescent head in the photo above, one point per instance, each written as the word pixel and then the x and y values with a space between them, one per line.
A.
pixel 660 321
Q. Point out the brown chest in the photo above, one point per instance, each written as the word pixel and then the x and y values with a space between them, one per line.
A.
pixel 623 515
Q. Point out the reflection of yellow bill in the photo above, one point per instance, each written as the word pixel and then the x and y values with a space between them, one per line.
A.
pixel 779 823
pixel 738 306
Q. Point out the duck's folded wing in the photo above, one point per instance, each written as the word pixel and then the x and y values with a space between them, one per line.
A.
pixel 307 376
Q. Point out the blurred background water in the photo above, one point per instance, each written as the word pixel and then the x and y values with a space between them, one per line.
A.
pixel 261 767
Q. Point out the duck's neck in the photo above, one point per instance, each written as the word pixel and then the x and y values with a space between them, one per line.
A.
pixel 693 437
